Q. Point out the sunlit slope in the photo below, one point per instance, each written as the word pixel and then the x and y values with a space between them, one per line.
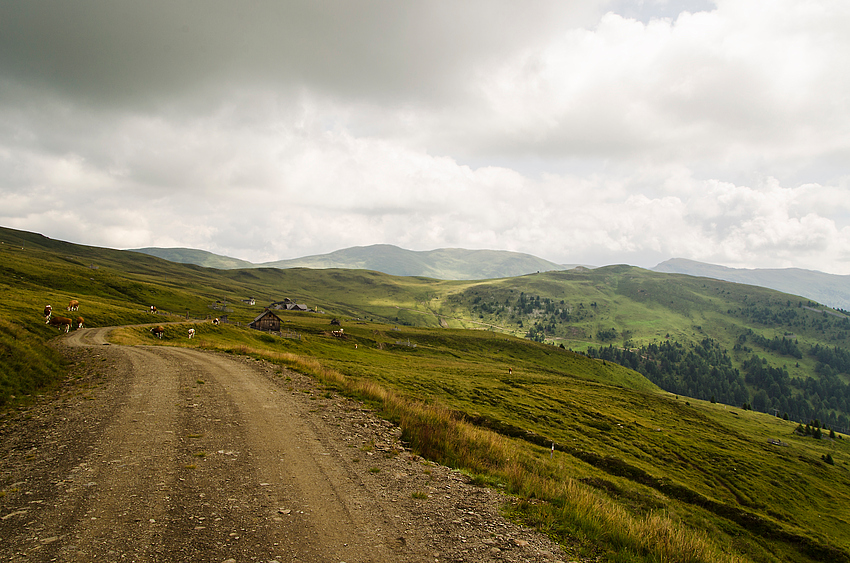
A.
pixel 746 478
pixel 616 306
pixel 829 289
pixel 444 263
pixel 197 257
pixel 743 477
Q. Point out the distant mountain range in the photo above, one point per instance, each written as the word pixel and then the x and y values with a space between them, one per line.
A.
pixel 197 257
pixel 829 289
pixel 459 264
pixel 443 263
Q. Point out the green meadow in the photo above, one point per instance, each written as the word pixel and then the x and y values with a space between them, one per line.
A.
pixel 594 453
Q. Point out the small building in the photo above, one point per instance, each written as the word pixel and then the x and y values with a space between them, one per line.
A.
pixel 280 305
pixel 267 321
pixel 288 305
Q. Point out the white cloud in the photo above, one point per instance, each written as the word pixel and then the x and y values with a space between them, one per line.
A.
pixel 577 135
pixel 742 84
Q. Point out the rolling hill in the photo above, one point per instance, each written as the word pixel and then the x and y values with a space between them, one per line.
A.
pixel 590 449
pixel 460 264
pixel 444 263
pixel 732 343
pixel 830 289
pixel 197 257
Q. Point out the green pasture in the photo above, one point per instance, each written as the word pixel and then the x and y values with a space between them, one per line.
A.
pixel 633 467
pixel 709 466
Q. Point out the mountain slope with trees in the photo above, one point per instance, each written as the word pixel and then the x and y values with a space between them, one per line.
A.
pixel 698 337
pixel 587 448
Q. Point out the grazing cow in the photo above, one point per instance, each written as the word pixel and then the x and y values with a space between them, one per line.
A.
pixel 73 305
pixel 215 321
pixel 60 322
pixel 153 309
pixel 158 331
pixel 48 310
pixel 191 332
pixel 79 322
pixel 338 333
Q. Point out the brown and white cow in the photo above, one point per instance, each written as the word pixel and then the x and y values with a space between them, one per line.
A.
pixel 48 310
pixel 158 331
pixel 73 305
pixel 61 322
pixel 215 321
pixel 191 332
pixel 153 309
pixel 79 322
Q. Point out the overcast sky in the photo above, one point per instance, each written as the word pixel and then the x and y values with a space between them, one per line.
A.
pixel 590 132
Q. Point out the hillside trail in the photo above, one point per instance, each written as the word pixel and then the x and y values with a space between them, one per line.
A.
pixel 156 453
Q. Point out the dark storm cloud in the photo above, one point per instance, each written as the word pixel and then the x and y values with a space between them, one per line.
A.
pixel 107 52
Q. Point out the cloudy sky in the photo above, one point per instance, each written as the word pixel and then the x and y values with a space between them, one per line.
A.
pixel 597 132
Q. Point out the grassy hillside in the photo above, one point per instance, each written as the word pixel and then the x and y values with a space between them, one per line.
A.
pixel 637 474
pixel 197 257
pixel 693 336
pixel 444 263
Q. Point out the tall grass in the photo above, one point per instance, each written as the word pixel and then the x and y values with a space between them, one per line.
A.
pixel 549 498
pixel 27 364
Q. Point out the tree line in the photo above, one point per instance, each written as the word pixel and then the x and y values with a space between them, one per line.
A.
pixel 704 370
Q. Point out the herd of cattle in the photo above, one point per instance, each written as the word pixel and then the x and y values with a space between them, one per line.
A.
pixel 73 305
pixel 63 322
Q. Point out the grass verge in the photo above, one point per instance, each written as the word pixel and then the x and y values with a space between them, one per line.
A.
pixel 548 497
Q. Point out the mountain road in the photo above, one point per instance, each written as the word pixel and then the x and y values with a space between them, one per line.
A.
pixel 161 453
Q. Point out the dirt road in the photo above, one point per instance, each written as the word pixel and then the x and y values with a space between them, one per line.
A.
pixel 168 454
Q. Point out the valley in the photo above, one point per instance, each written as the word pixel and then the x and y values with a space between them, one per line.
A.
pixel 595 454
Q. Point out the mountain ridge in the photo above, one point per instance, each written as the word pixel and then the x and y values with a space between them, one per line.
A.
pixel 830 289
pixel 657 451
pixel 463 264
pixel 441 263
pixel 203 258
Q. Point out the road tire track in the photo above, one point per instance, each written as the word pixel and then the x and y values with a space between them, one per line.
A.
pixel 156 453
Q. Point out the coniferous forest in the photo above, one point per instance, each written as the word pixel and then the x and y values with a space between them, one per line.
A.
pixel 801 371
pixel 704 371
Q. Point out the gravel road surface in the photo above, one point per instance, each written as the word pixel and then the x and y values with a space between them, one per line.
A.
pixel 152 454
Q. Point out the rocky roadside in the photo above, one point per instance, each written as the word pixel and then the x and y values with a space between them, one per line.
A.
pixel 438 513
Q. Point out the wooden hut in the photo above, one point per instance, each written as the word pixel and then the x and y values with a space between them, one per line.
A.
pixel 267 321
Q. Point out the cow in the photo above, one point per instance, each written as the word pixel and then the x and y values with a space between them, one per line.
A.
pixel 79 322
pixel 215 321
pixel 191 332
pixel 73 305
pixel 153 309
pixel 60 322
pixel 48 310
pixel 158 331
pixel 338 333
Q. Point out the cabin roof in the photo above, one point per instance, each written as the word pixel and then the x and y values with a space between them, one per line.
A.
pixel 263 314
